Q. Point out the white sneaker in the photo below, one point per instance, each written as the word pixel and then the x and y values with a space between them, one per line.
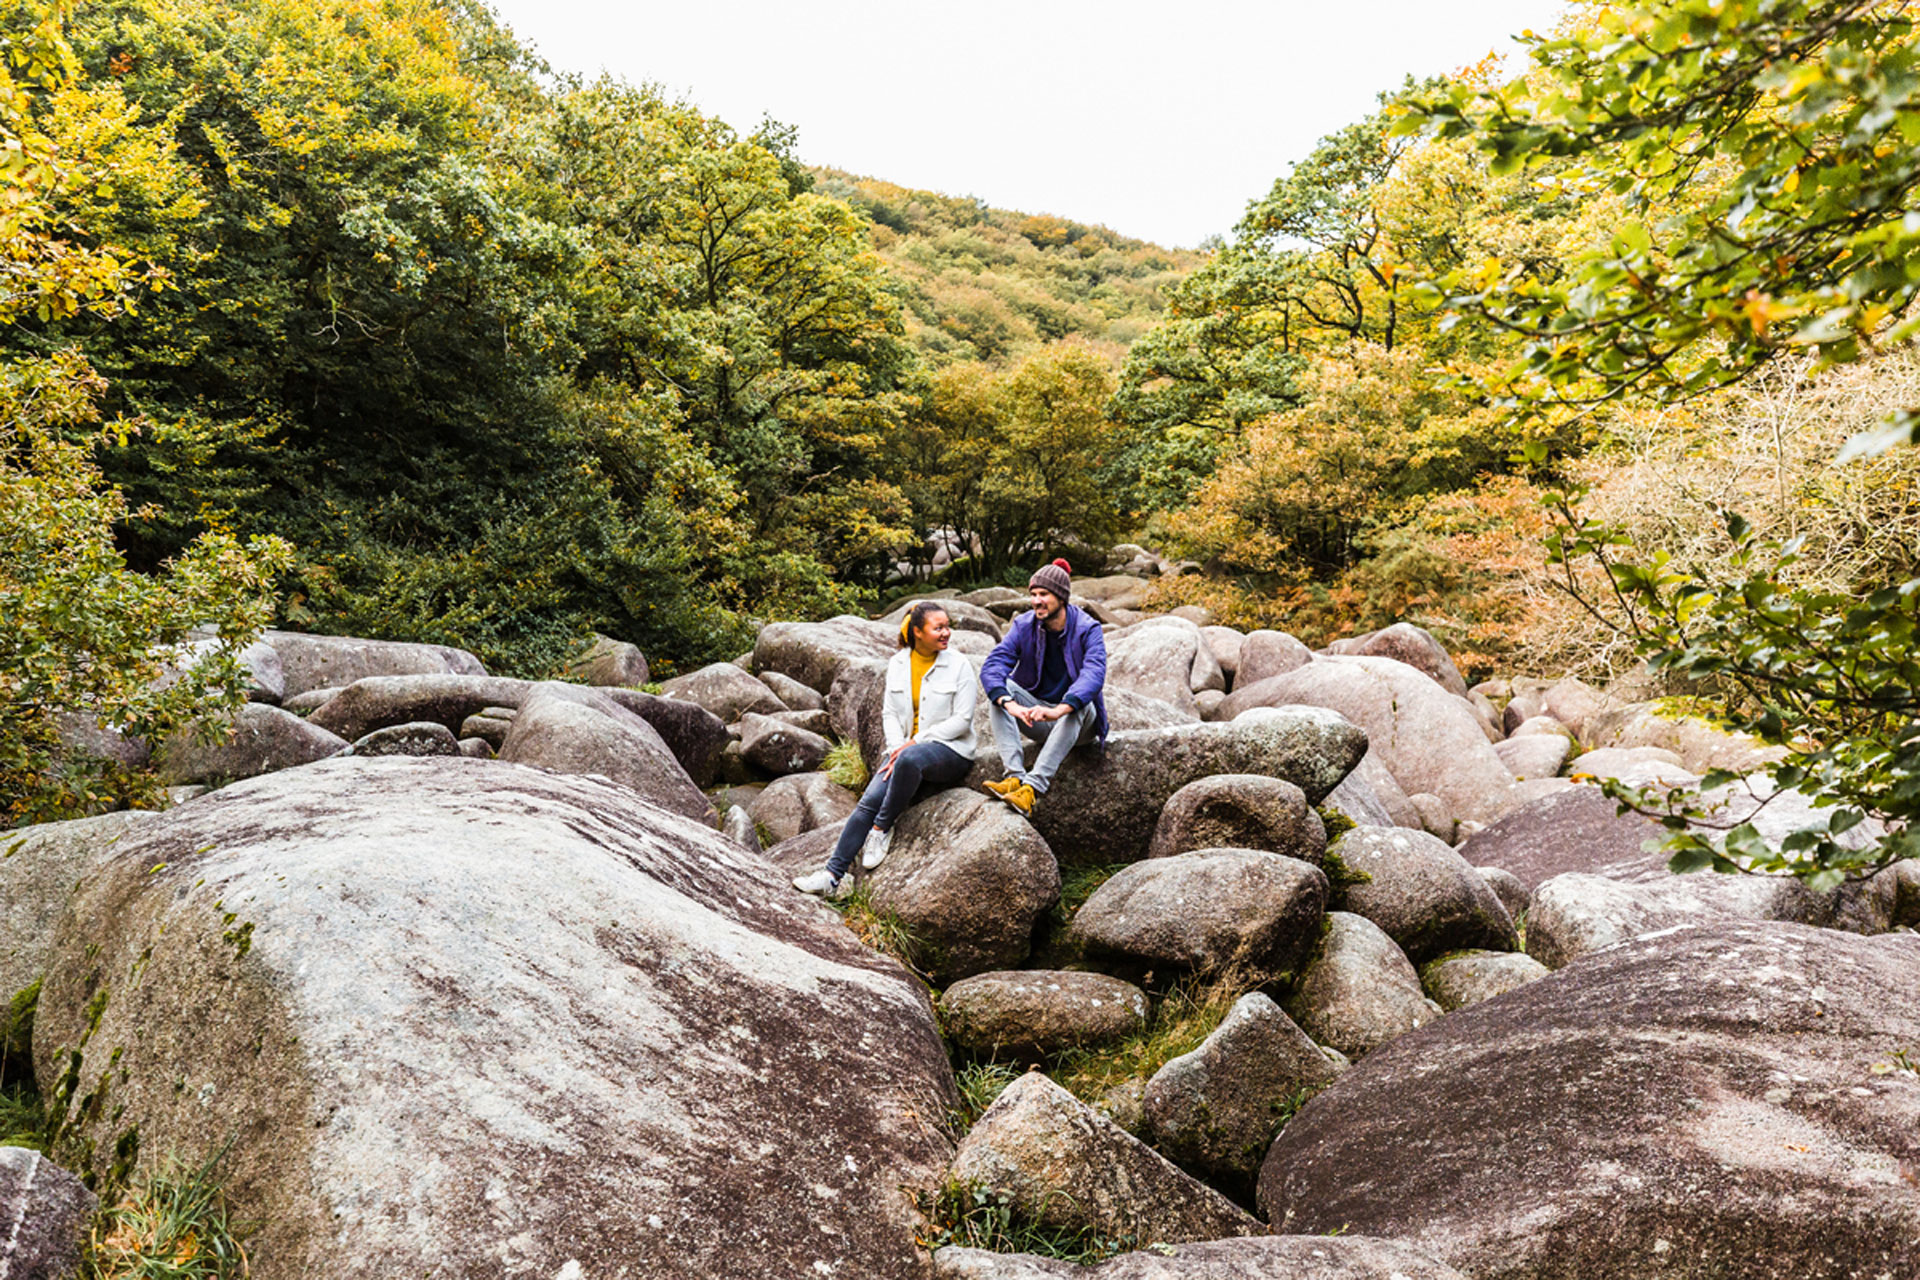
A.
pixel 820 883
pixel 874 851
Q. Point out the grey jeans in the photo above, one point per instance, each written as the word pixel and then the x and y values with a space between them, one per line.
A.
pixel 1055 738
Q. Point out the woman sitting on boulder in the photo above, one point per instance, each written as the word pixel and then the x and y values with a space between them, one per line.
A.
pixel 927 712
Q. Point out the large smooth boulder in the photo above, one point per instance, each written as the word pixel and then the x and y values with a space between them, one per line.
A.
pixel 44 1216
pixel 1240 811
pixel 1029 1013
pixel 1208 910
pixel 1421 893
pixel 572 729
pixel 1412 645
pixel 1359 990
pixel 725 690
pixel 1454 982
pixel 609 662
pixel 1428 739
pixel 467 1018
pixel 1216 1109
pixel 1059 1163
pixel 969 878
pixel 1322 1257
pixel 1575 913
pixel 257 739
pixel 1104 805
pixel 1704 1102
pixel 1265 654
pixel 802 802
pixel 1578 829
pixel 39 865
pixel 814 652
pixel 323 662
pixel 378 701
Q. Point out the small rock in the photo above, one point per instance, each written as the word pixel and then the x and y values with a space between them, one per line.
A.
pixel 258 739
pixel 798 803
pixel 1240 811
pixel 607 661
pixel 796 696
pixel 421 738
pixel 476 749
pixel 1415 646
pixel 738 825
pixel 490 724
pixel 1508 887
pixel 816 722
pixel 779 747
pixel 1436 815
pixel 1459 980
pixel 725 690
pixel 1030 1013
pixel 1540 755
pixel 1264 654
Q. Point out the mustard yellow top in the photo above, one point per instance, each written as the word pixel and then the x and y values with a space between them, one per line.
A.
pixel 918 665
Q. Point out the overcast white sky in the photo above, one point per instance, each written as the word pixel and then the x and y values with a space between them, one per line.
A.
pixel 1158 120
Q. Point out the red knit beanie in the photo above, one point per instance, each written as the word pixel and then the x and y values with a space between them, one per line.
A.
pixel 1054 578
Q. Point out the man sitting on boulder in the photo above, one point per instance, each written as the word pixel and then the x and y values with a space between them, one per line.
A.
pixel 1045 681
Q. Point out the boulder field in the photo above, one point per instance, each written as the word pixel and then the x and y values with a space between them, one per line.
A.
pixel 1328 966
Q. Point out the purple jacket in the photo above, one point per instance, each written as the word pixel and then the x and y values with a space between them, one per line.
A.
pixel 1018 657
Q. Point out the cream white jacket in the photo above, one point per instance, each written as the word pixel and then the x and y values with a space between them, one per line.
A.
pixel 947 696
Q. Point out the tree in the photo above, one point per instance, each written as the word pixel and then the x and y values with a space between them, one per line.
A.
pixel 1765 154
pixel 1771 141
pixel 85 639
pixel 1016 458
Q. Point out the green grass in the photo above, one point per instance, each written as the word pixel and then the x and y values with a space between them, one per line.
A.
pixel 1183 1017
pixel 22 1122
pixel 846 766
pixel 974 1217
pixel 884 931
pixel 980 1083
pixel 173 1225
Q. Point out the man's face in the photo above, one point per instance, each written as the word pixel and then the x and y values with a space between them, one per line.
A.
pixel 1046 605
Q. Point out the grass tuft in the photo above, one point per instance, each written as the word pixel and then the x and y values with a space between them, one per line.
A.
pixel 980 1083
pixel 22 1121
pixel 173 1225
pixel 1183 1017
pixel 975 1217
pixel 846 766
pixel 882 930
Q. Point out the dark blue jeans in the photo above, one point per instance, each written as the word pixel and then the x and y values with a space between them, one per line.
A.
pixel 886 798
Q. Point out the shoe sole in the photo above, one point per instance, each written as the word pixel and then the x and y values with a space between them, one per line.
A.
pixel 1009 802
